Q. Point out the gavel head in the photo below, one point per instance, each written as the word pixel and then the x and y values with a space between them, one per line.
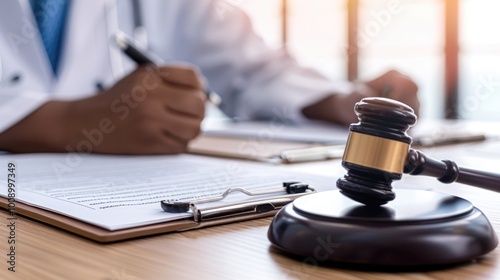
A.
pixel 376 150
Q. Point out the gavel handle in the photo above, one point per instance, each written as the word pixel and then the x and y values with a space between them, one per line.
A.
pixel 447 171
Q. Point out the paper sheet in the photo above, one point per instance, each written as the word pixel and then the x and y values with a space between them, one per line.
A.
pixel 117 192
pixel 307 132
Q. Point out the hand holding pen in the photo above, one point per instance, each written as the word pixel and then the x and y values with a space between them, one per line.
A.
pixel 149 111
pixel 141 58
pixel 153 110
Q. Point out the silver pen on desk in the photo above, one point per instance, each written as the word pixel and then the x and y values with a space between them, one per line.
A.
pixel 453 139
pixel 312 153
pixel 337 151
pixel 141 58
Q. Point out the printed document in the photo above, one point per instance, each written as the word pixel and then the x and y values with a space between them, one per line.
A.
pixel 118 192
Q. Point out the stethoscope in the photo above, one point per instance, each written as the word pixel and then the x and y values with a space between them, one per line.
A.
pixel 12 80
pixel 140 31
pixel 140 35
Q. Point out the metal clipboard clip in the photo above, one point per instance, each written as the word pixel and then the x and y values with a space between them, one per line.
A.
pixel 290 191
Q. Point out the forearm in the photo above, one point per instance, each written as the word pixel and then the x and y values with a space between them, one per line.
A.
pixel 44 130
pixel 338 108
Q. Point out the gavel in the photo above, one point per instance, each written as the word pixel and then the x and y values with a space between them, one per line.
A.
pixel 378 151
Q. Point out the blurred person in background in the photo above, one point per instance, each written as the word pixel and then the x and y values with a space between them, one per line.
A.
pixel 64 80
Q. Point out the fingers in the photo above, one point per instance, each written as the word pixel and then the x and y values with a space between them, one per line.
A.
pixel 180 75
pixel 151 112
pixel 180 126
pixel 182 129
pixel 382 81
pixel 171 134
pixel 173 117
pixel 396 86
pixel 393 80
pixel 151 136
pixel 338 108
pixel 184 103
pixel 183 100
pixel 180 88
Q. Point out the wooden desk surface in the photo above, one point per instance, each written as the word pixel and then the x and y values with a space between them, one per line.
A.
pixel 234 251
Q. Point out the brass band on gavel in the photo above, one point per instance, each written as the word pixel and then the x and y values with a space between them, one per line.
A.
pixel 376 152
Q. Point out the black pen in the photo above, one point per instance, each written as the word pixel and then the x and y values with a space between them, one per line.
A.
pixel 141 58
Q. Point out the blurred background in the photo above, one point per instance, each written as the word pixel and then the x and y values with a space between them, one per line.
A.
pixel 451 48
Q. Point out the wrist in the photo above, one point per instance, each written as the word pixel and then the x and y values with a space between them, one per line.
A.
pixel 51 123
pixel 44 130
pixel 327 109
pixel 63 130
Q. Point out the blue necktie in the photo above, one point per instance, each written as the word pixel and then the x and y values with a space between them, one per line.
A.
pixel 50 16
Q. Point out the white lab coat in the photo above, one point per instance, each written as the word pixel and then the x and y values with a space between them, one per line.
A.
pixel 253 80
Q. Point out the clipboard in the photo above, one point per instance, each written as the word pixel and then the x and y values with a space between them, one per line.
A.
pixel 269 151
pixel 101 235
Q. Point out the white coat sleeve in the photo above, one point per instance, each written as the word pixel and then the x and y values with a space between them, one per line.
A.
pixel 18 98
pixel 255 82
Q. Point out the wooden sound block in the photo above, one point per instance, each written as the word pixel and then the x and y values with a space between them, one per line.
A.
pixel 417 228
